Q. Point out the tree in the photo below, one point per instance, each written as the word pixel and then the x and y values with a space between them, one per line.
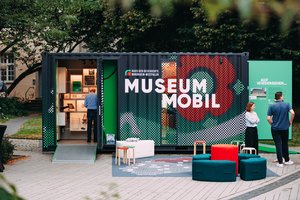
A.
pixel 136 29
pixel 174 25
pixel 14 23
pixel 231 33
pixel 55 26
pixel 189 28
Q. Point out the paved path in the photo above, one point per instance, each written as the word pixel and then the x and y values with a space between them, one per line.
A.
pixel 15 124
pixel 38 178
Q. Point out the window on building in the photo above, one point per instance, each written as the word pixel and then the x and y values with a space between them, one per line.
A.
pixel 7 67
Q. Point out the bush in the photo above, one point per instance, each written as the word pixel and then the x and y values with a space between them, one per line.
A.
pixel 12 107
pixel 7 150
pixel 7 190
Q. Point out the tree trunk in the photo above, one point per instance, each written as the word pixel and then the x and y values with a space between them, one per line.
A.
pixel 34 68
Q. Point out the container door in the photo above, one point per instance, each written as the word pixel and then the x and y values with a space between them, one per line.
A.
pixel 109 101
pixel 100 102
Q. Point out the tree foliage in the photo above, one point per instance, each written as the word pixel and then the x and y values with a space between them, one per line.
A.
pixel 7 190
pixel 266 29
pixel 55 26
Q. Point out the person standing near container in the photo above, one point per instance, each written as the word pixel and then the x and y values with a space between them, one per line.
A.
pixel 90 103
pixel 278 118
pixel 251 135
pixel 3 88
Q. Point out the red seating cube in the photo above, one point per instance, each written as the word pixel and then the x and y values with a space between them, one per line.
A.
pixel 225 152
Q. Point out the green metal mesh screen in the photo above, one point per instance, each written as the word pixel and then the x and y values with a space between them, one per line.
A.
pixel 49 102
pixel 225 85
pixel 139 113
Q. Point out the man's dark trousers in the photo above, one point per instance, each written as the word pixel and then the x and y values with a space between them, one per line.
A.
pixel 92 117
pixel 280 138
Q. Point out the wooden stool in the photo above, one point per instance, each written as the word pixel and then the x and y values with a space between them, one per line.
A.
pixel 199 142
pixel 118 155
pixel 129 154
pixel 248 149
pixel 241 147
pixel 239 143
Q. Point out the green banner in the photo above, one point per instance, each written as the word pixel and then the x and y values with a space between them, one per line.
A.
pixel 265 79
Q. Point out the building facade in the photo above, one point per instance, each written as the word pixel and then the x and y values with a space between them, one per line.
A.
pixel 10 69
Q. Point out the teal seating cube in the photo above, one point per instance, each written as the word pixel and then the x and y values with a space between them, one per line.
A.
pixel 214 170
pixel 202 157
pixel 243 156
pixel 253 169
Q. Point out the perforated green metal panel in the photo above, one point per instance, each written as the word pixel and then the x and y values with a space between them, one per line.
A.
pixel 139 113
pixel 225 86
pixel 142 115
pixel 49 102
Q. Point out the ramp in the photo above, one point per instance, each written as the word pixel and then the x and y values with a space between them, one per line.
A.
pixel 271 148
pixel 75 153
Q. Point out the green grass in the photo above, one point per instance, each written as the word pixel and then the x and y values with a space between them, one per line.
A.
pixel 31 129
pixel 295 139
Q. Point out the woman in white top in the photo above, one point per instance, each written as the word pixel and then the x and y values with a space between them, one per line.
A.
pixel 251 136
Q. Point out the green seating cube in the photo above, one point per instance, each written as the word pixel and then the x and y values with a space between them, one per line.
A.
pixel 243 156
pixel 253 169
pixel 214 170
pixel 202 157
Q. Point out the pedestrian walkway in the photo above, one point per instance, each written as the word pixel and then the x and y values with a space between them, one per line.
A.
pixel 38 178
pixel 15 124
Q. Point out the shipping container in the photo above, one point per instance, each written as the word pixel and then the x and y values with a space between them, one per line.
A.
pixel 171 98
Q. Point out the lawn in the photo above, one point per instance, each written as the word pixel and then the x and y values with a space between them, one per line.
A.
pixel 31 129
pixel 295 140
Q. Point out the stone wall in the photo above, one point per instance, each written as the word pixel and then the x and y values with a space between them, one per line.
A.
pixel 27 144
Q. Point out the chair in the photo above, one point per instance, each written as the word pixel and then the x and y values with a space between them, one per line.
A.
pixel 130 148
pixel 239 143
pixel 249 150
pixel 118 155
pixel 199 142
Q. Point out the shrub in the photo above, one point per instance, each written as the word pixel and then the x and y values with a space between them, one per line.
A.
pixel 12 107
pixel 7 150
pixel 7 190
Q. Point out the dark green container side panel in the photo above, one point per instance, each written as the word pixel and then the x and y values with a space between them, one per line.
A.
pixel 110 97
pixel 139 113
pixel 49 102
pixel 226 80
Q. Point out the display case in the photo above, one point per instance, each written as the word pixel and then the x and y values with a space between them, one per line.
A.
pixel 77 111
pixel 73 85
pixel 77 86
